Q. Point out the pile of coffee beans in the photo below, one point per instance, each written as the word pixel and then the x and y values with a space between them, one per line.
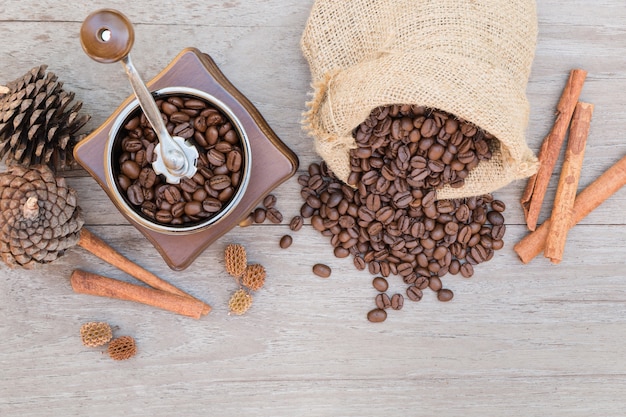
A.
pixel 389 219
pixel 219 167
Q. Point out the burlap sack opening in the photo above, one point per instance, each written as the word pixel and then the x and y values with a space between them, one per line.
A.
pixel 469 58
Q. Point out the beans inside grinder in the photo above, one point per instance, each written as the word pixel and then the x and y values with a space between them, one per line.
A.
pixel 219 167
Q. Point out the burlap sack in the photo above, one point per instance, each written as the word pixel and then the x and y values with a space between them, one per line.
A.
pixel 470 58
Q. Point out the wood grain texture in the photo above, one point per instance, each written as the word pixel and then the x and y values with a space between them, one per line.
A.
pixel 517 340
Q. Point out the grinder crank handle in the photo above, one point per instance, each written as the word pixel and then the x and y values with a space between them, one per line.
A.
pixel 107 36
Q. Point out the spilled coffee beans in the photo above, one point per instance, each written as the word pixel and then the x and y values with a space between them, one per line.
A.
pixel 388 217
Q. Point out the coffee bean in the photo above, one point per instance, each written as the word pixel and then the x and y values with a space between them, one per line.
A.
pixel 414 293
pixel 377 315
pixel 359 263
pixel 498 206
pixel 188 185
pixel 285 241
pixel 495 218
pixel 397 302
pixel 124 182
pixel 269 201
pixel 168 108
pixel 131 169
pixel 322 270
pixel 260 214
pixel 445 295
pixel 193 208
pixel 135 194
pixel 210 205
pixel 380 284
pixel 382 301
pixel 163 216
pixel 467 270
pixel 274 216
pixel 234 160
pixel 296 223
pixel 435 283
pixel 149 209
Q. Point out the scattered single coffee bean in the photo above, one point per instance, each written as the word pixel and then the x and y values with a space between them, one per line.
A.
pixel 274 216
pixel 296 223
pixel 260 215
pixel 380 284
pixel 286 241
pixel 445 295
pixel 397 301
pixel 377 315
pixel 322 270
pixel 382 301
pixel 269 201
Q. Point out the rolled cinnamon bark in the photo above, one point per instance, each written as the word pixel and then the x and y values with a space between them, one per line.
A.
pixel 102 250
pixel 587 200
pixel 87 283
pixel 535 191
pixel 562 213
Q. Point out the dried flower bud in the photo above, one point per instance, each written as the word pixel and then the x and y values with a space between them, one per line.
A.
pixel 254 277
pixel 235 259
pixel 95 334
pixel 240 302
pixel 122 348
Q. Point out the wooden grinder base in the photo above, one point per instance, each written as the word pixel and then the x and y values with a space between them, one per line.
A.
pixel 272 161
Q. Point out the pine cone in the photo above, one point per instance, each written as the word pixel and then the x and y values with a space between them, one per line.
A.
pixel 235 260
pixel 40 216
pixel 95 333
pixel 254 277
pixel 36 126
pixel 240 302
pixel 122 348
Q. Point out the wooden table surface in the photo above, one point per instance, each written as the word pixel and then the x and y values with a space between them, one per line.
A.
pixel 517 340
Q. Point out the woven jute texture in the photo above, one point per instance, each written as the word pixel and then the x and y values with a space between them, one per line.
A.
pixel 470 58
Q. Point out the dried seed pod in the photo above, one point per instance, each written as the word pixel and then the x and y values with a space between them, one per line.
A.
pixel 122 348
pixel 95 334
pixel 254 277
pixel 240 302
pixel 40 216
pixel 235 259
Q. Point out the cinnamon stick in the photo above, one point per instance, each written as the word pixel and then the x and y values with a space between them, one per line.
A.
pixel 561 217
pixel 102 250
pixel 535 191
pixel 587 200
pixel 87 283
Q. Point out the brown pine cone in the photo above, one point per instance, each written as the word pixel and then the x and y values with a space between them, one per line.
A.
pixel 235 259
pixel 95 334
pixel 122 348
pixel 254 277
pixel 40 216
pixel 37 124
pixel 240 302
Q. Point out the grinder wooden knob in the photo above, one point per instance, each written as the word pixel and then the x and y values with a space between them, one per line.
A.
pixel 107 36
